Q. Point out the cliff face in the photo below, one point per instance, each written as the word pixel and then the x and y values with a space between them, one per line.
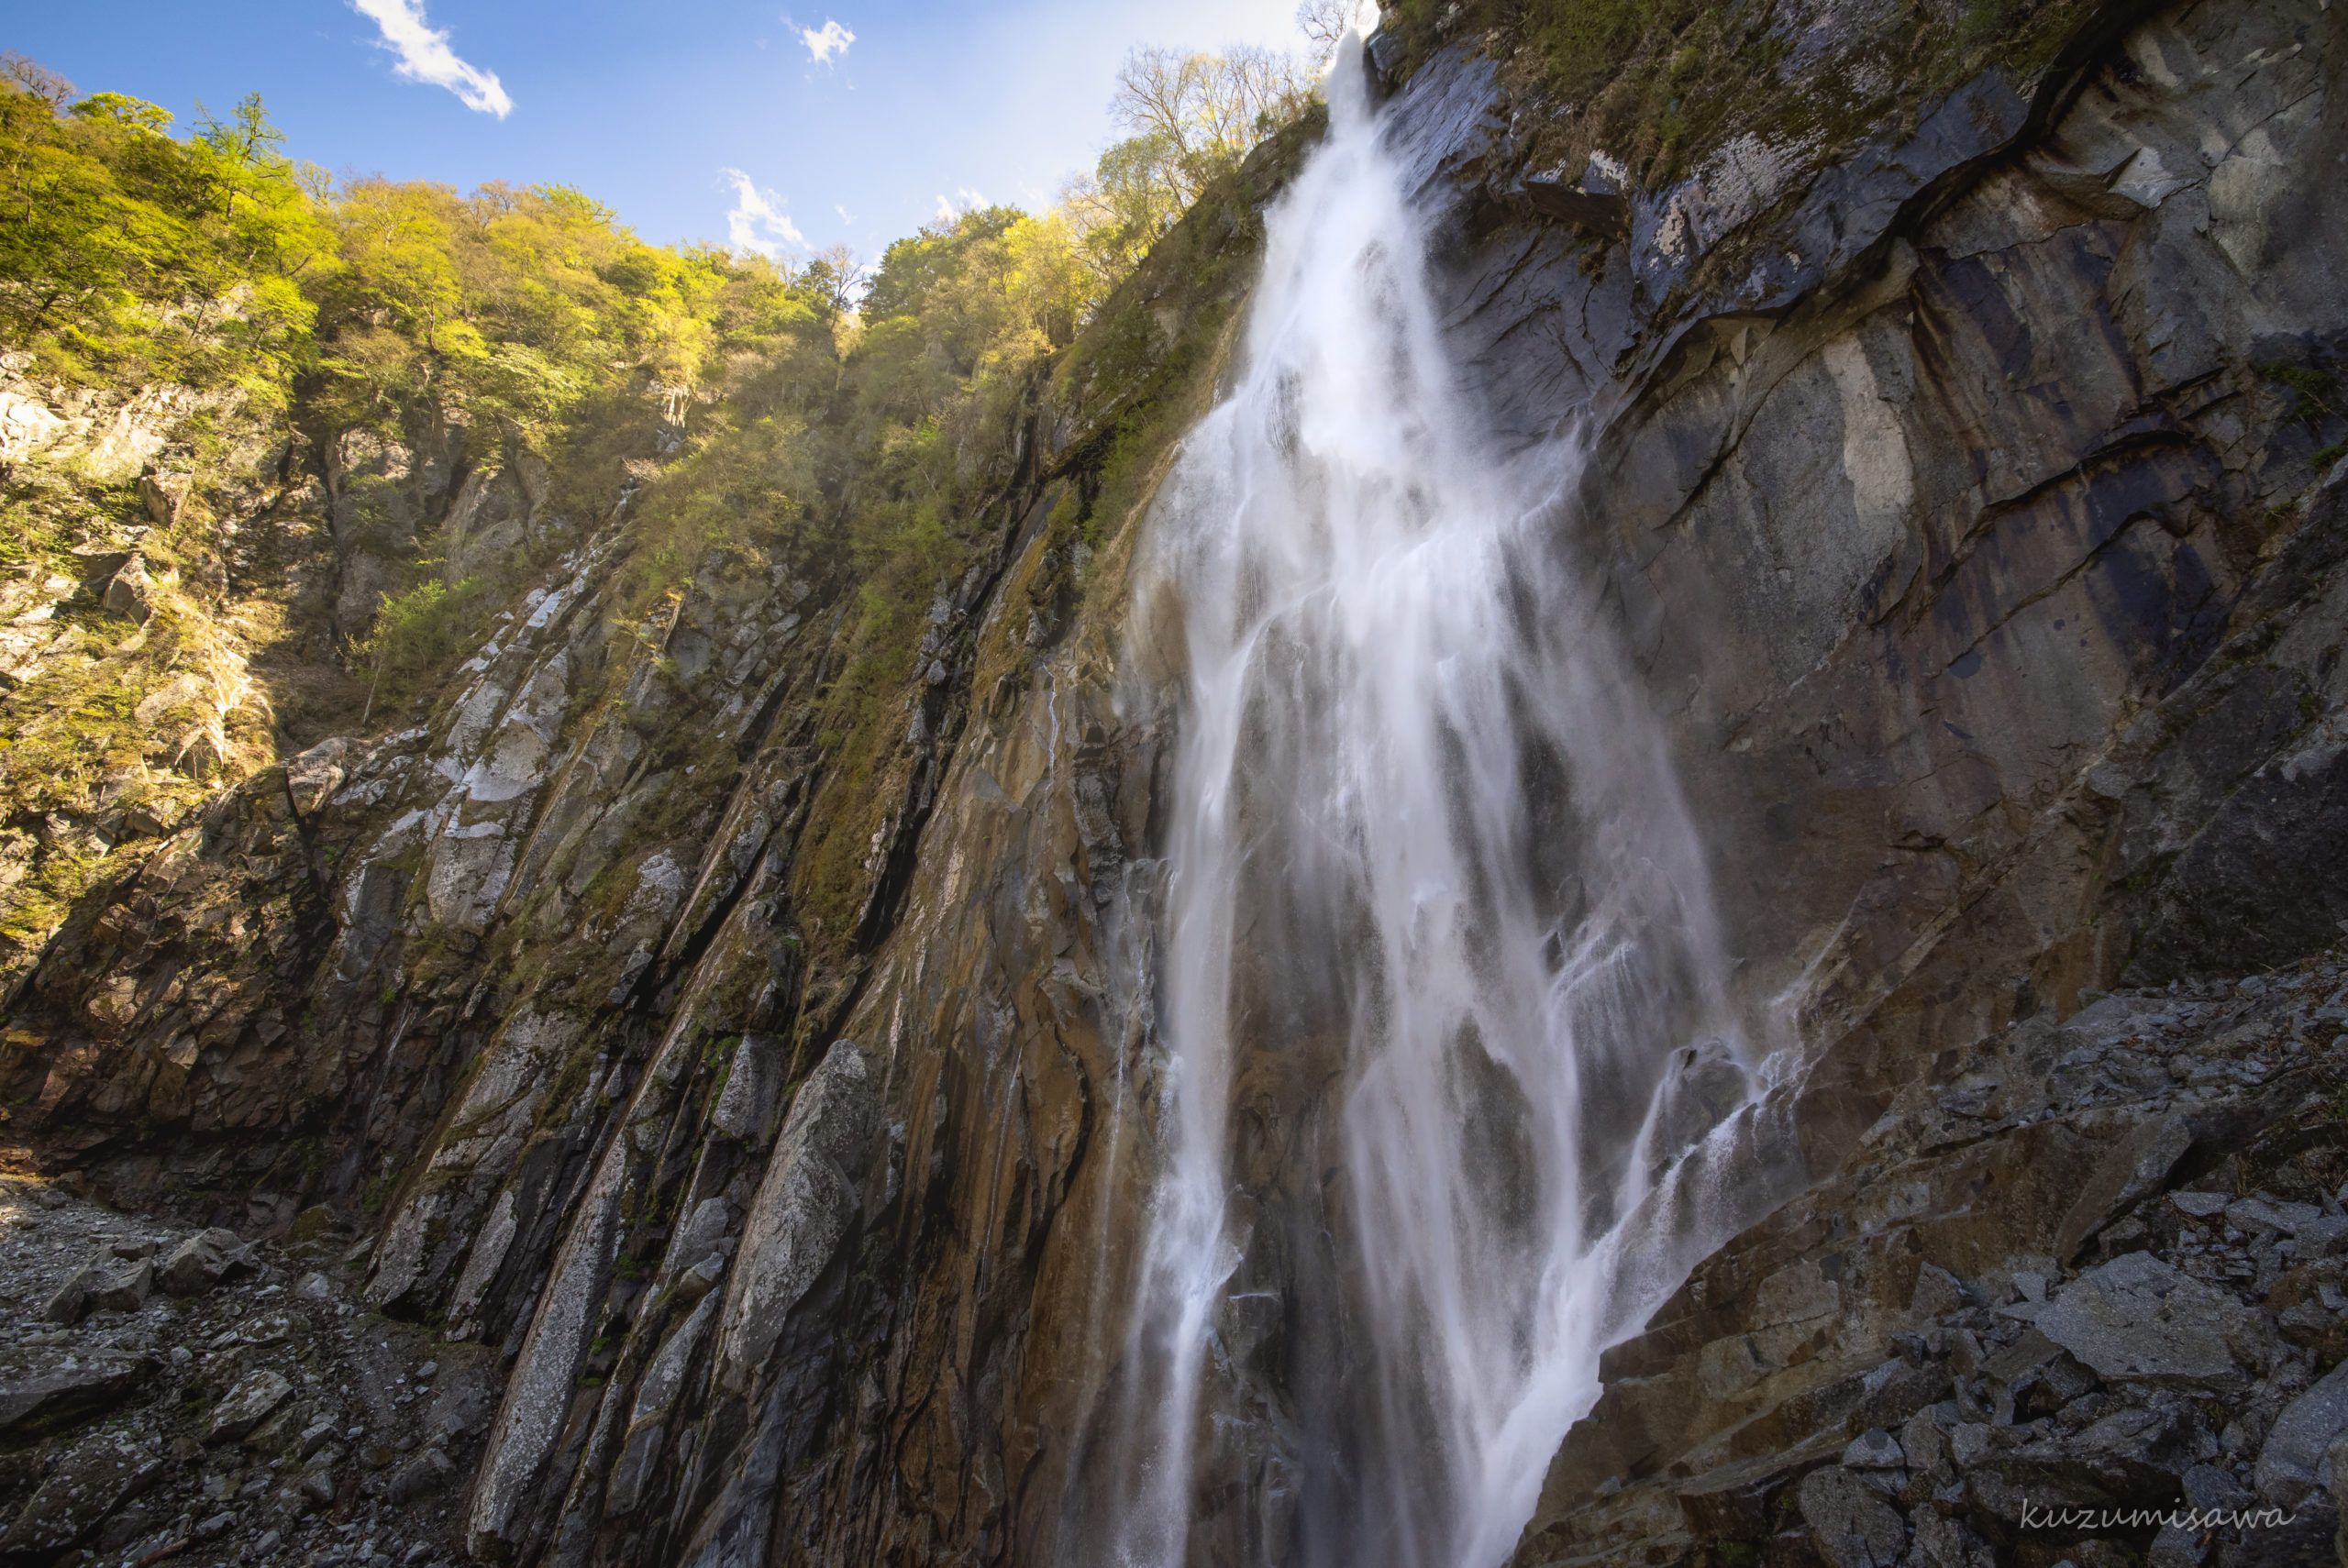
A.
pixel 1953 489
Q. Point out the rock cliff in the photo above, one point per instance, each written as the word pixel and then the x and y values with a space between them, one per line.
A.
pixel 772 1129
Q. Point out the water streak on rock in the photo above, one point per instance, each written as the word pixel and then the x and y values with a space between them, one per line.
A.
pixel 1427 859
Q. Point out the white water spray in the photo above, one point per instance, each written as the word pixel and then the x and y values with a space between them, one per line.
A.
pixel 1443 1009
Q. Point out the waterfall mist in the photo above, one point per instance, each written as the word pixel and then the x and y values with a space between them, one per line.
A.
pixel 1450 1071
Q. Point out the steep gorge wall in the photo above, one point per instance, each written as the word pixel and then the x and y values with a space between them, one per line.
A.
pixel 1936 485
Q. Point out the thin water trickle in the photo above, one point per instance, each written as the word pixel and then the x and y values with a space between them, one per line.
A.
pixel 1449 1068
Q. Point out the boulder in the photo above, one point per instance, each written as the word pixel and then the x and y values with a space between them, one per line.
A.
pixel 1874 1449
pixel 421 1476
pixel 58 1398
pixel 2290 1465
pixel 71 1299
pixel 130 591
pixel 1849 1524
pixel 204 1261
pixel 89 1484
pixel 249 1404
pixel 2138 1319
pixel 311 777
pixel 123 1289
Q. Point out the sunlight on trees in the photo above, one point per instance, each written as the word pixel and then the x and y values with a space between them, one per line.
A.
pixel 829 412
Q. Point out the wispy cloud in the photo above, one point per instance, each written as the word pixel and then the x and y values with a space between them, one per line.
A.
pixel 758 221
pixel 823 43
pixel 425 55
pixel 962 201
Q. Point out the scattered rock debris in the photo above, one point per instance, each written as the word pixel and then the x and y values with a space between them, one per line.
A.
pixel 2080 1295
pixel 190 1396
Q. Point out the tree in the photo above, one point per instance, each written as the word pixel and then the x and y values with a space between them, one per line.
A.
pixel 1324 22
pixel 1190 119
pixel 37 79
pixel 837 277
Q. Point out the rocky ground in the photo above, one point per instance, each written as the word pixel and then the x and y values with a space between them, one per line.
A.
pixel 187 1394
pixel 2080 1297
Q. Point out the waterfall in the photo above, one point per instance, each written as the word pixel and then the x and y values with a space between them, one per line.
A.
pixel 1447 1074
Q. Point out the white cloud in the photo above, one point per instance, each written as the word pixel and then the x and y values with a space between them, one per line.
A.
pixel 758 221
pixel 962 201
pixel 425 55
pixel 846 217
pixel 827 42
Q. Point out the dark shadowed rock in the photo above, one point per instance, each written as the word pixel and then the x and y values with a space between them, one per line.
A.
pixel 51 1399
pixel 2291 1465
pixel 93 1481
pixel 1849 1523
pixel 254 1398
pixel 202 1260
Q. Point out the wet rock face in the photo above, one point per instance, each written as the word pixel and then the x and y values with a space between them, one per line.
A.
pixel 2081 1270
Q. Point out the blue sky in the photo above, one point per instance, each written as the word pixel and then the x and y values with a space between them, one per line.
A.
pixel 649 108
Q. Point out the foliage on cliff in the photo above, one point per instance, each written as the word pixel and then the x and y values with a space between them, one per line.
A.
pixel 337 362
pixel 1662 85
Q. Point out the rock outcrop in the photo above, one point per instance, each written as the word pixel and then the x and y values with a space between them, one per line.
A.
pixel 2075 1295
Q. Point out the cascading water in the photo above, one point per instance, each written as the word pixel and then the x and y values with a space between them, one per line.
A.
pixel 1445 1026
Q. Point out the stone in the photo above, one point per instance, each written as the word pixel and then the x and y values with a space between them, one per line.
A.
pixel 311 777
pixel 2177 1547
pixel 1874 1449
pixel 254 1398
pixel 803 1209
pixel 1937 1293
pixel 204 1261
pixel 1848 1523
pixel 124 1527
pixel 122 1290
pixel 314 1288
pixel 89 1484
pixel 1945 1542
pixel 314 1436
pixel 129 591
pixel 69 1300
pixel 2212 1489
pixel 2137 1318
pixel 421 1476
pixel 2200 1205
pixel 58 1398
pixel 2289 1466
pixel 1898 1388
